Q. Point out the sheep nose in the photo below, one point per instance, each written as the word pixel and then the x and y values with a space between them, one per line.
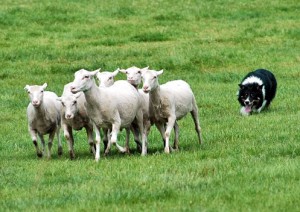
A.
pixel 145 87
pixel 68 116
pixel 35 102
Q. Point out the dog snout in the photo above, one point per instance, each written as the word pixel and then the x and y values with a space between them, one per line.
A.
pixel 247 102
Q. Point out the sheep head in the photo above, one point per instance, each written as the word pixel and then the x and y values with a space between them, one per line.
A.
pixel 83 80
pixel 36 93
pixel 150 79
pixel 106 78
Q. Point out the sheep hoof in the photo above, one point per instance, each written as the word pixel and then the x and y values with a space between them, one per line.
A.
pixel 139 148
pixel 60 151
pixel 174 149
pixel 72 155
pixel 167 150
pixel 39 154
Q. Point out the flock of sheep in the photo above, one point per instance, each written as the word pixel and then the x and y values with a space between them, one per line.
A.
pixel 111 106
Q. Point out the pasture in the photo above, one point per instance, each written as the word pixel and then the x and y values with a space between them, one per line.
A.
pixel 246 163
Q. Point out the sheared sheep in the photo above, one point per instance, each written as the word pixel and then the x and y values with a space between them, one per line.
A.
pixel 106 79
pixel 43 113
pixel 169 102
pixel 108 107
pixel 134 77
pixel 74 116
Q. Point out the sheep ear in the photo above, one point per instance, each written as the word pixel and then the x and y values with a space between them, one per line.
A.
pixel 98 75
pixel 143 70
pixel 77 95
pixel 44 86
pixel 93 73
pixel 116 72
pixel 123 71
pixel 59 99
pixel 26 88
pixel 159 72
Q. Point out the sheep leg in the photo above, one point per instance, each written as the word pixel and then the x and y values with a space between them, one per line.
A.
pixel 140 123
pixel 135 131
pixel 176 130
pixel 43 144
pixel 89 132
pixel 98 140
pixel 50 142
pixel 114 135
pixel 69 137
pixel 161 128
pixel 34 140
pixel 108 144
pixel 106 135
pixel 170 125
pixel 60 149
pixel 127 140
pixel 146 127
pixel 195 116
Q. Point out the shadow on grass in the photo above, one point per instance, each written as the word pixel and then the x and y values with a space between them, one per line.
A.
pixel 114 154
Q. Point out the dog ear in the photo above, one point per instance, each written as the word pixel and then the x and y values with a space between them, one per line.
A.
pixel 259 87
pixel 241 86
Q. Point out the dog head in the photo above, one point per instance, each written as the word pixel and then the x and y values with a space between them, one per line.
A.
pixel 250 95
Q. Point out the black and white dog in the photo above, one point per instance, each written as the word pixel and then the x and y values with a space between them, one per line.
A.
pixel 257 90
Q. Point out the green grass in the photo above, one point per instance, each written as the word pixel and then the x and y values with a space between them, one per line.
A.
pixel 246 164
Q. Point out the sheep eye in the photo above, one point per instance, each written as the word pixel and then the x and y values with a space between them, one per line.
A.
pixel 74 102
pixel 42 91
pixel 110 78
pixel 154 77
pixel 86 77
pixel 139 72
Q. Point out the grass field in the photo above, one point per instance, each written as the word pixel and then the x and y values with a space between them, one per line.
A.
pixel 246 164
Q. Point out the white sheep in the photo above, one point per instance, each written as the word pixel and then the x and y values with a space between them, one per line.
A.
pixel 43 113
pixel 169 102
pixel 134 77
pixel 74 116
pixel 108 107
pixel 106 78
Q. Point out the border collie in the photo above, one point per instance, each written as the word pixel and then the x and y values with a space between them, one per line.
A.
pixel 257 90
